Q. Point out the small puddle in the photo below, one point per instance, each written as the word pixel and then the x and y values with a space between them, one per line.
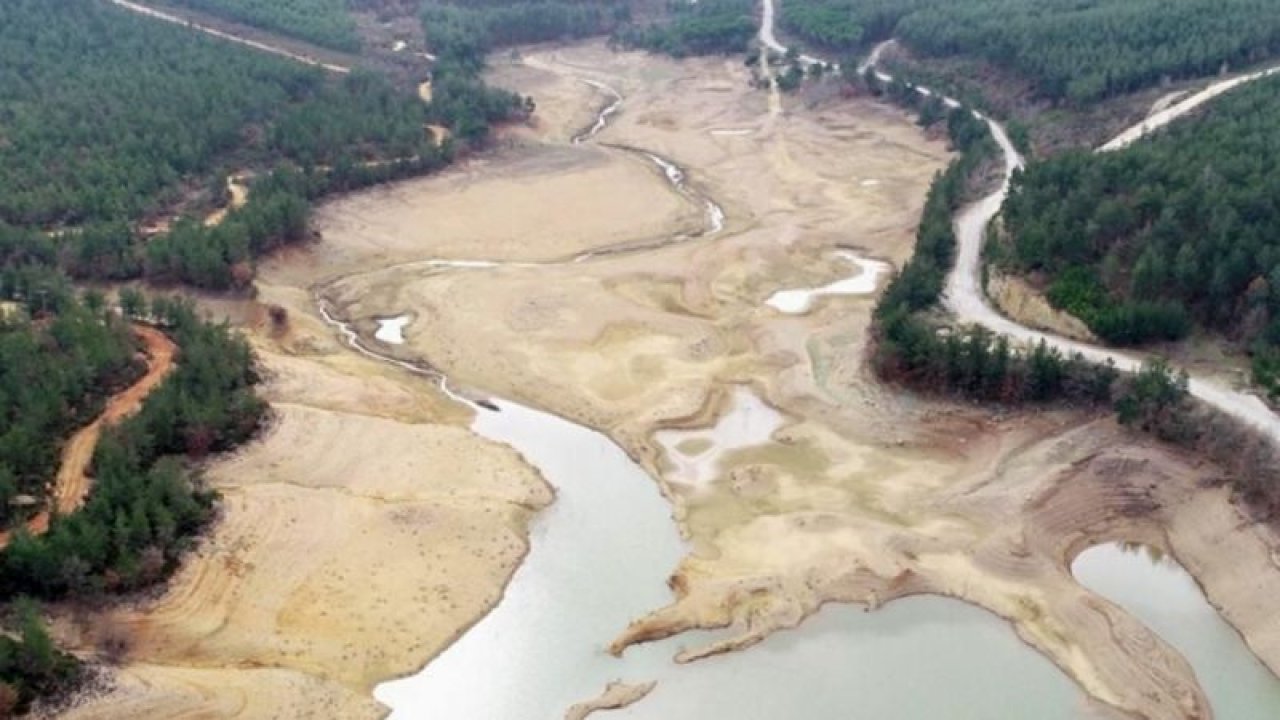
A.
pixel 695 454
pixel 1164 597
pixel 731 132
pixel 863 282
pixel 391 330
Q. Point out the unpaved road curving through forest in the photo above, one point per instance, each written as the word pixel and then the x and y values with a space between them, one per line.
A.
pixel 72 484
pixel 967 300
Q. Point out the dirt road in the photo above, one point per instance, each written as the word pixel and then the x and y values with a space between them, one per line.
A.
pixel 223 35
pixel 72 485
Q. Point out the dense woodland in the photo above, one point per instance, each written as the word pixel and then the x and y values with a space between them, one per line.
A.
pixel 110 119
pixel 323 22
pixel 1073 50
pixel 465 30
pixel 107 113
pixel 707 27
pixel 1173 233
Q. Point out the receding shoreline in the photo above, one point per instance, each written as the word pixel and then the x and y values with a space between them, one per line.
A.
pixel 900 490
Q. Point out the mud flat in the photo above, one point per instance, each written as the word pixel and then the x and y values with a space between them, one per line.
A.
pixel 555 202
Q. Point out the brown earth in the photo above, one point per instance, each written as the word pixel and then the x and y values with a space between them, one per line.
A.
pixel 1018 299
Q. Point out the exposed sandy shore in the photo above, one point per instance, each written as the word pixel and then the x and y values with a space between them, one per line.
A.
pixel 338 560
pixel 367 528
pixel 552 203
pixel 615 697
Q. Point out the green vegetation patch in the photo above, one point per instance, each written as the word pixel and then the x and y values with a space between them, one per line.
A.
pixel 111 122
pixel 104 114
pixel 146 506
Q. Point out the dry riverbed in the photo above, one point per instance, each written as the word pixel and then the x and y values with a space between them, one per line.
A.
pixel 368 527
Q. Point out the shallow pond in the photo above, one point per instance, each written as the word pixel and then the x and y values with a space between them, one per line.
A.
pixel 862 282
pixel 694 455
pixel 1163 596
pixel 391 330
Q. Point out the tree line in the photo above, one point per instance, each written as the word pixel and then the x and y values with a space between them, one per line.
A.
pixel 1171 234
pixel 707 27
pixel 147 504
pixel 1072 51
pixel 323 22
pixel 465 32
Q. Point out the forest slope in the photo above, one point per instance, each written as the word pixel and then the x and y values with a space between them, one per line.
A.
pixel 114 123
pixel 324 22
pixel 1071 51
pixel 1173 233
